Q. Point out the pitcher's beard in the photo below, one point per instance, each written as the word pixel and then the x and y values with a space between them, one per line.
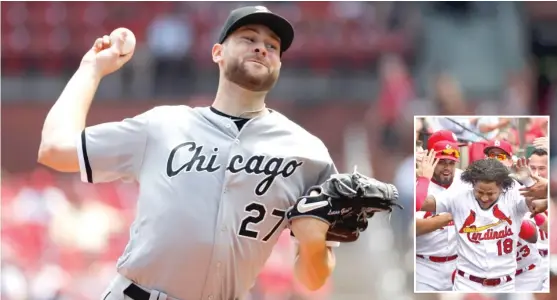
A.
pixel 240 75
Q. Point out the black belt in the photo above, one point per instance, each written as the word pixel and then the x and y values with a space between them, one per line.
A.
pixel 136 293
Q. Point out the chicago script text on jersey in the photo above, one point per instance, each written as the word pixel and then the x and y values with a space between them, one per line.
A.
pixel 272 167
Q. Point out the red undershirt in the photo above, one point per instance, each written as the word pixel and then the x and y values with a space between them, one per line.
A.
pixel 422 190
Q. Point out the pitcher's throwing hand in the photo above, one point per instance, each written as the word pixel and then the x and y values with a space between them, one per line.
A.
pixel 106 57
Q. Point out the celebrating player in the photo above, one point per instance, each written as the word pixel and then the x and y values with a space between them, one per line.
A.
pixel 529 274
pixel 532 268
pixel 500 150
pixel 435 234
pixel 443 135
pixel 538 163
pixel 215 183
pixel 487 215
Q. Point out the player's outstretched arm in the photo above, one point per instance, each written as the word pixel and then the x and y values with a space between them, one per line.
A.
pixel 536 187
pixel 335 211
pixel 538 190
pixel 424 173
pixel 541 221
pixel 424 226
pixel 315 261
pixel 537 206
pixel 528 231
pixel 66 119
pixel 428 204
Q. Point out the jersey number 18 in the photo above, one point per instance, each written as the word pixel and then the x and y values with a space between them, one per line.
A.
pixel 504 246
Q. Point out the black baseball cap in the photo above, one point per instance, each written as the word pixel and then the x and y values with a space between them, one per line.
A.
pixel 259 15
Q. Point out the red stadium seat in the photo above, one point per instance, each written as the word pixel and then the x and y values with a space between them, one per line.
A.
pixel 351 43
pixel 39 41
pixel 56 13
pixel 201 50
pixel 90 13
pixel 14 46
pixel 57 42
pixel 15 13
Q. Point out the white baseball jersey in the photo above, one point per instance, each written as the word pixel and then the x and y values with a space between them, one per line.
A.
pixel 439 242
pixel 486 238
pixel 527 253
pixel 212 198
pixel 543 246
pixel 543 239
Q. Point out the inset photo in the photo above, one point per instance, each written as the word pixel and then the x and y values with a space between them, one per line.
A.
pixel 482 204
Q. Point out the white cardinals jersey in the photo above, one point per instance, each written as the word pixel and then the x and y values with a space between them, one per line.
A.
pixel 486 244
pixel 440 242
pixel 527 253
pixel 543 247
pixel 543 239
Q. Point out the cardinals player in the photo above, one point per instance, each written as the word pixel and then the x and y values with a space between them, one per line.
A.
pixel 435 233
pixel 500 150
pixel 487 214
pixel 529 274
pixel 443 135
pixel 538 163
pixel 529 261
pixel 552 282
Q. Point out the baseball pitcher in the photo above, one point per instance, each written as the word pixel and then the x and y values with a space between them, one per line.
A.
pixel 218 184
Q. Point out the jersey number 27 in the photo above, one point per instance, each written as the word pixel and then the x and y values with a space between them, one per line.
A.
pixel 261 214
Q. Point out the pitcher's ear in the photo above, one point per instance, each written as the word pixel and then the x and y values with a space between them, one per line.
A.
pixel 217 52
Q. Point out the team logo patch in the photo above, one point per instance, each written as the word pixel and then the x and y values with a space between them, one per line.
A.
pixel 476 234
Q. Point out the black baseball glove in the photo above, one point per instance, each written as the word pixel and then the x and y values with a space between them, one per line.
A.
pixel 346 202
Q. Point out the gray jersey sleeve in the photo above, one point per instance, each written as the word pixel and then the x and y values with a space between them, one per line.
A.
pixel 329 170
pixel 114 150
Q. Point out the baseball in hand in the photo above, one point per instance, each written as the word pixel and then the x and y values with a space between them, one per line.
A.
pixel 129 41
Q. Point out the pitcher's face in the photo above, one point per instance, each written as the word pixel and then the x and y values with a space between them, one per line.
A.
pixel 251 58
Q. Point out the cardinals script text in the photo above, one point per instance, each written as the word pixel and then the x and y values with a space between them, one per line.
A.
pixel 490 234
